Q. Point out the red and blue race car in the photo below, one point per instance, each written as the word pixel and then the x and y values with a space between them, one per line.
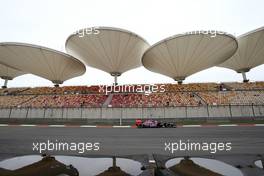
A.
pixel 153 124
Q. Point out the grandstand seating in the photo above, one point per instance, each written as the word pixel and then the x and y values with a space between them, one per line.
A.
pixel 194 94
pixel 11 91
pixel 14 101
pixel 246 86
pixel 192 87
pixel 66 101
pixel 154 100
pixel 60 90
pixel 233 97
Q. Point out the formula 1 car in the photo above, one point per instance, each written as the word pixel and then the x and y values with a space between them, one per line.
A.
pixel 153 124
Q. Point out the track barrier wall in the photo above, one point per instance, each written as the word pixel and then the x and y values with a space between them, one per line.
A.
pixel 186 112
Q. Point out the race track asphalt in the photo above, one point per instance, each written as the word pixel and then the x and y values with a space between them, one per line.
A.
pixel 16 141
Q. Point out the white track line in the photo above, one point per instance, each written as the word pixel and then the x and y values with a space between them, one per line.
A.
pixel 3 125
pixel 191 126
pixel 228 125
pixel 259 124
pixel 116 126
pixel 56 126
pixel 88 126
pixel 27 125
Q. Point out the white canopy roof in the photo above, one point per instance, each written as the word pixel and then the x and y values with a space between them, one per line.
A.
pixel 112 50
pixel 183 55
pixel 9 73
pixel 250 52
pixel 44 62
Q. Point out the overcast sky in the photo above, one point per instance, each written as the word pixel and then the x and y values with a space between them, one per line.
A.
pixel 50 22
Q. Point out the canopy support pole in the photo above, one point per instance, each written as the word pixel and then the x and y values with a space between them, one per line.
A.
pixel 244 77
pixel 114 161
pixel 115 80
pixel 5 84
pixel 179 82
pixel 115 75
pixel 57 83
pixel 179 79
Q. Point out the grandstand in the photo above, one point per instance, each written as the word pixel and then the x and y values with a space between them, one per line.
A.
pixel 175 95
pixel 178 101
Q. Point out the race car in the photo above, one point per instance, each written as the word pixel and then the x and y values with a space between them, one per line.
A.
pixel 153 124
